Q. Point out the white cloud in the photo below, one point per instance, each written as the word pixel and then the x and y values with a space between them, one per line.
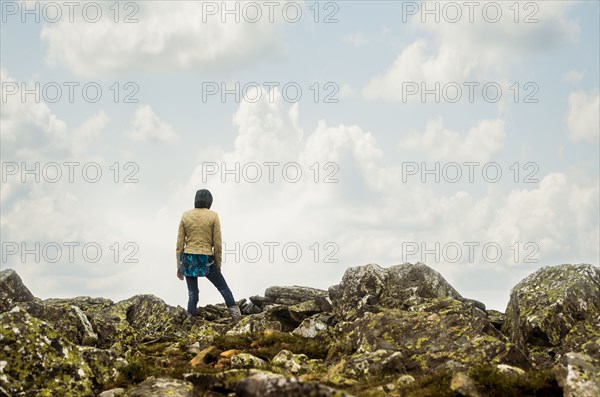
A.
pixel 480 143
pixel 560 216
pixel 164 38
pixel 415 65
pixel 89 131
pixel 466 51
pixel 583 116
pixel 19 116
pixel 146 126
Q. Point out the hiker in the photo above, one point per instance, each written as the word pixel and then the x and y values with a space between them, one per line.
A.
pixel 199 252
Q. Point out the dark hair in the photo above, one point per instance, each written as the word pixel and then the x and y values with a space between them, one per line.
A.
pixel 203 199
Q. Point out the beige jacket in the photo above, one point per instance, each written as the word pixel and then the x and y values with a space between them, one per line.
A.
pixel 200 233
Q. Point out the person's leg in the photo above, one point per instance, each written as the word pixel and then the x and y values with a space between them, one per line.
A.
pixel 192 284
pixel 216 278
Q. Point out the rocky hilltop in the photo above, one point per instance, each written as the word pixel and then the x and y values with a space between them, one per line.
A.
pixel 397 331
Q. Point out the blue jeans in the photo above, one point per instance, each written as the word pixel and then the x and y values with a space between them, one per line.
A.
pixel 214 276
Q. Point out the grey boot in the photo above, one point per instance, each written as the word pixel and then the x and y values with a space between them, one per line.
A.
pixel 235 313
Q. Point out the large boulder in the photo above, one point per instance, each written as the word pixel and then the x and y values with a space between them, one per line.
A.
pixel 556 310
pixel 121 325
pixel 435 335
pixel 69 320
pixel 40 361
pixel 370 287
pixel 12 290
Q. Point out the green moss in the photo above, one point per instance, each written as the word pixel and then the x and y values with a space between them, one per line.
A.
pixel 532 383
pixel 267 345
pixel 134 372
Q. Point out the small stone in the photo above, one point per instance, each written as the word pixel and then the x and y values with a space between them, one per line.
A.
pixel 202 356
pixel 245 360
pixel 509 369
pixel 229 353
pixel 463 384
pixel 118 392
pixel 405 379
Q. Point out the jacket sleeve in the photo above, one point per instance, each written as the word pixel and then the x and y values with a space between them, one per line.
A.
pixel 180 240
pixel 217 243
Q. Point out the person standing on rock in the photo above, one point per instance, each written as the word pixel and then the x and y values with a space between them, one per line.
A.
pixel 199 252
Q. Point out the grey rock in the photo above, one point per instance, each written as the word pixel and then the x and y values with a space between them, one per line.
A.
pixel 292 363
pixel 247 361
pixel 32 349
pixel 313 326
pixel 160 387
pixel 578 374
pixel 428 336
pixel 371 287
pixel 116 392
pixel 223 382
pixel 69 320
pixel 556 309
pixel 12 290
pixel 265 386
pixel 289 296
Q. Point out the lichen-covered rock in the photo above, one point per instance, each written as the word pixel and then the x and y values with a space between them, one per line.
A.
pixel 429 336
pixel 295 364
pixel 303 310
pixel 579 375
pixel 37 360
pixel 246 361
pixel 255 323
pixel 68 320
pixel 266 386
pixel 312 326
pixel 121 325
pixel 12 290
pixel 364 366
pixel 160 387
pixel 287 296
pixel 370 287
pixel 556 308
pixel 224 382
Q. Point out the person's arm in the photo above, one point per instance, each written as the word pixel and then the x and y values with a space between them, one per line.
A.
pixel 180 241
pixel 217 243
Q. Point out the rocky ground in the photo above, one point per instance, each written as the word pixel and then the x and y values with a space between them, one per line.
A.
pixel 397 331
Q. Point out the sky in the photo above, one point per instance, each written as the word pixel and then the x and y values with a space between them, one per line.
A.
pixel 332 134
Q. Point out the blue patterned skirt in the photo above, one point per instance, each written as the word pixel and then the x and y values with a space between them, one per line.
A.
pixel 195 265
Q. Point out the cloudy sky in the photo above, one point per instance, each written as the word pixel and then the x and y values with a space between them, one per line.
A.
pixel 332 134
